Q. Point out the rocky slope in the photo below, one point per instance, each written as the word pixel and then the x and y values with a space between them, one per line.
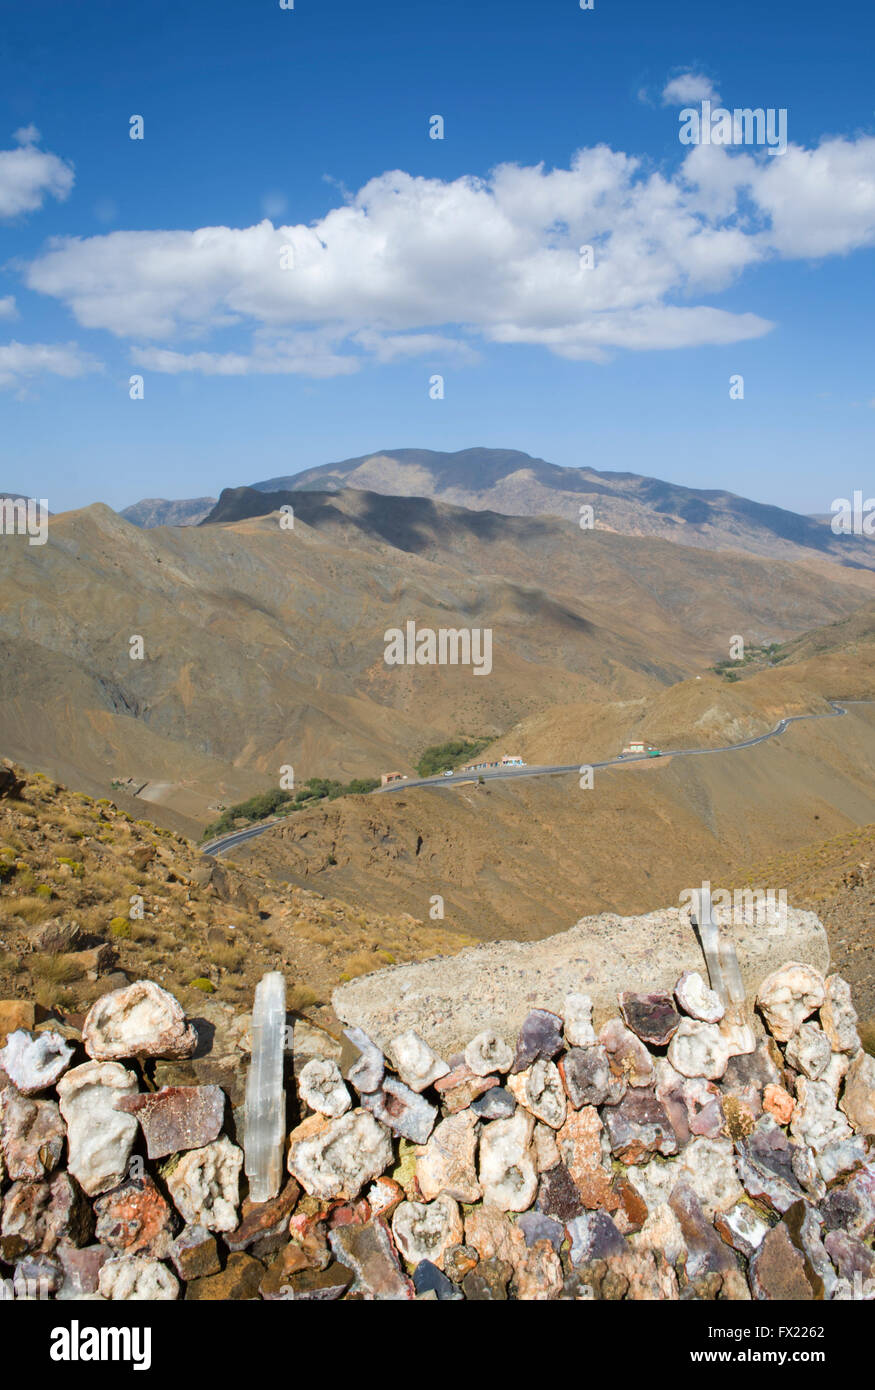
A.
pixel 836 879
pixel 90 897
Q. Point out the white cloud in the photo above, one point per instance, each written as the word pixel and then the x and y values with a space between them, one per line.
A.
pixel 28 176
pixel 7 307
pixel 688 89
pixel 416 266
pixel 820 202
pixel 394 347
pixel 20 362
pixel 302 354
pixel 810 203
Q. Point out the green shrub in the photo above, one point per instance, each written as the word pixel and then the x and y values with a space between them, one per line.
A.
pixel 76 867
pixel 455 751
pixel 271 803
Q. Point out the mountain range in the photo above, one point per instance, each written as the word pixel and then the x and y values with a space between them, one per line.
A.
pixel 177 669
pixel 263 646
pixel 513 483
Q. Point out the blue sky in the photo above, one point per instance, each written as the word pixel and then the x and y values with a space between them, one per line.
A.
pixel 709 262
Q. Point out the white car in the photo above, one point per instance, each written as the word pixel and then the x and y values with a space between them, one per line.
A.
pixel 449 772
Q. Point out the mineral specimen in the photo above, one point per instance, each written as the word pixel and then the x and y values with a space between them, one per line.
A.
pixel 264 1131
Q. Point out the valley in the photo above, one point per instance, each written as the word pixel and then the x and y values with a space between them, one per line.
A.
pixel 264 647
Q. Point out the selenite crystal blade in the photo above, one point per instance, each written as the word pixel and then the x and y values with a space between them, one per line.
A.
pixel 710 939
pixel 265 1097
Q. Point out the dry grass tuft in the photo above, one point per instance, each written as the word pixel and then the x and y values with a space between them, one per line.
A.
pixel 300 997
pixel 56 970
pixel 31 909
pixel 360 963
pixel 228 957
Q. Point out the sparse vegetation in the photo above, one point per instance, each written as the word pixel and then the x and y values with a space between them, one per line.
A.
pixel 56 970
pixel 76 867
pixel 453 753
pixel 755 658
pixel 227 957
pixel 181 941
pixel 300 997
pixel 32 910
pixel 271 803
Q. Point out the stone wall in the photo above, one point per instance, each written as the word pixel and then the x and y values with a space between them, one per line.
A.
pixel 672 1151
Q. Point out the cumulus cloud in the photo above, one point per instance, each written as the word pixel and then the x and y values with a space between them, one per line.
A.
pixel 21 362
pixel 688 89
pixel 424 267
pixel 7 307
pixel 29 175
pixel 819 202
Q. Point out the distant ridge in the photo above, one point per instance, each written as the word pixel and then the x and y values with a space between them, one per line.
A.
pixel 511 483
pixel 516 484
pixel 158 511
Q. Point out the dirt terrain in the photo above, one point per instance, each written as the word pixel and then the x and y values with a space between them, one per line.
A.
pixel 836 879
pixel 526 858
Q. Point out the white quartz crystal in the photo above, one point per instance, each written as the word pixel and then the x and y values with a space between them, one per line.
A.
pixel 265 1121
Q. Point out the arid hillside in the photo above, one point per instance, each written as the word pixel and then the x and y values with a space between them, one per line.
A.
pixel 526 858
pixel 75 872
pixel 262 647
pixel 836 879
pixel 701 712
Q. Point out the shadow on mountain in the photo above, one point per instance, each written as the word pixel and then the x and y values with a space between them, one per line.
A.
pixel 412 524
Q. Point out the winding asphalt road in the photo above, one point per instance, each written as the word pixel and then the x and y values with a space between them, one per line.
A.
pixel 223 843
